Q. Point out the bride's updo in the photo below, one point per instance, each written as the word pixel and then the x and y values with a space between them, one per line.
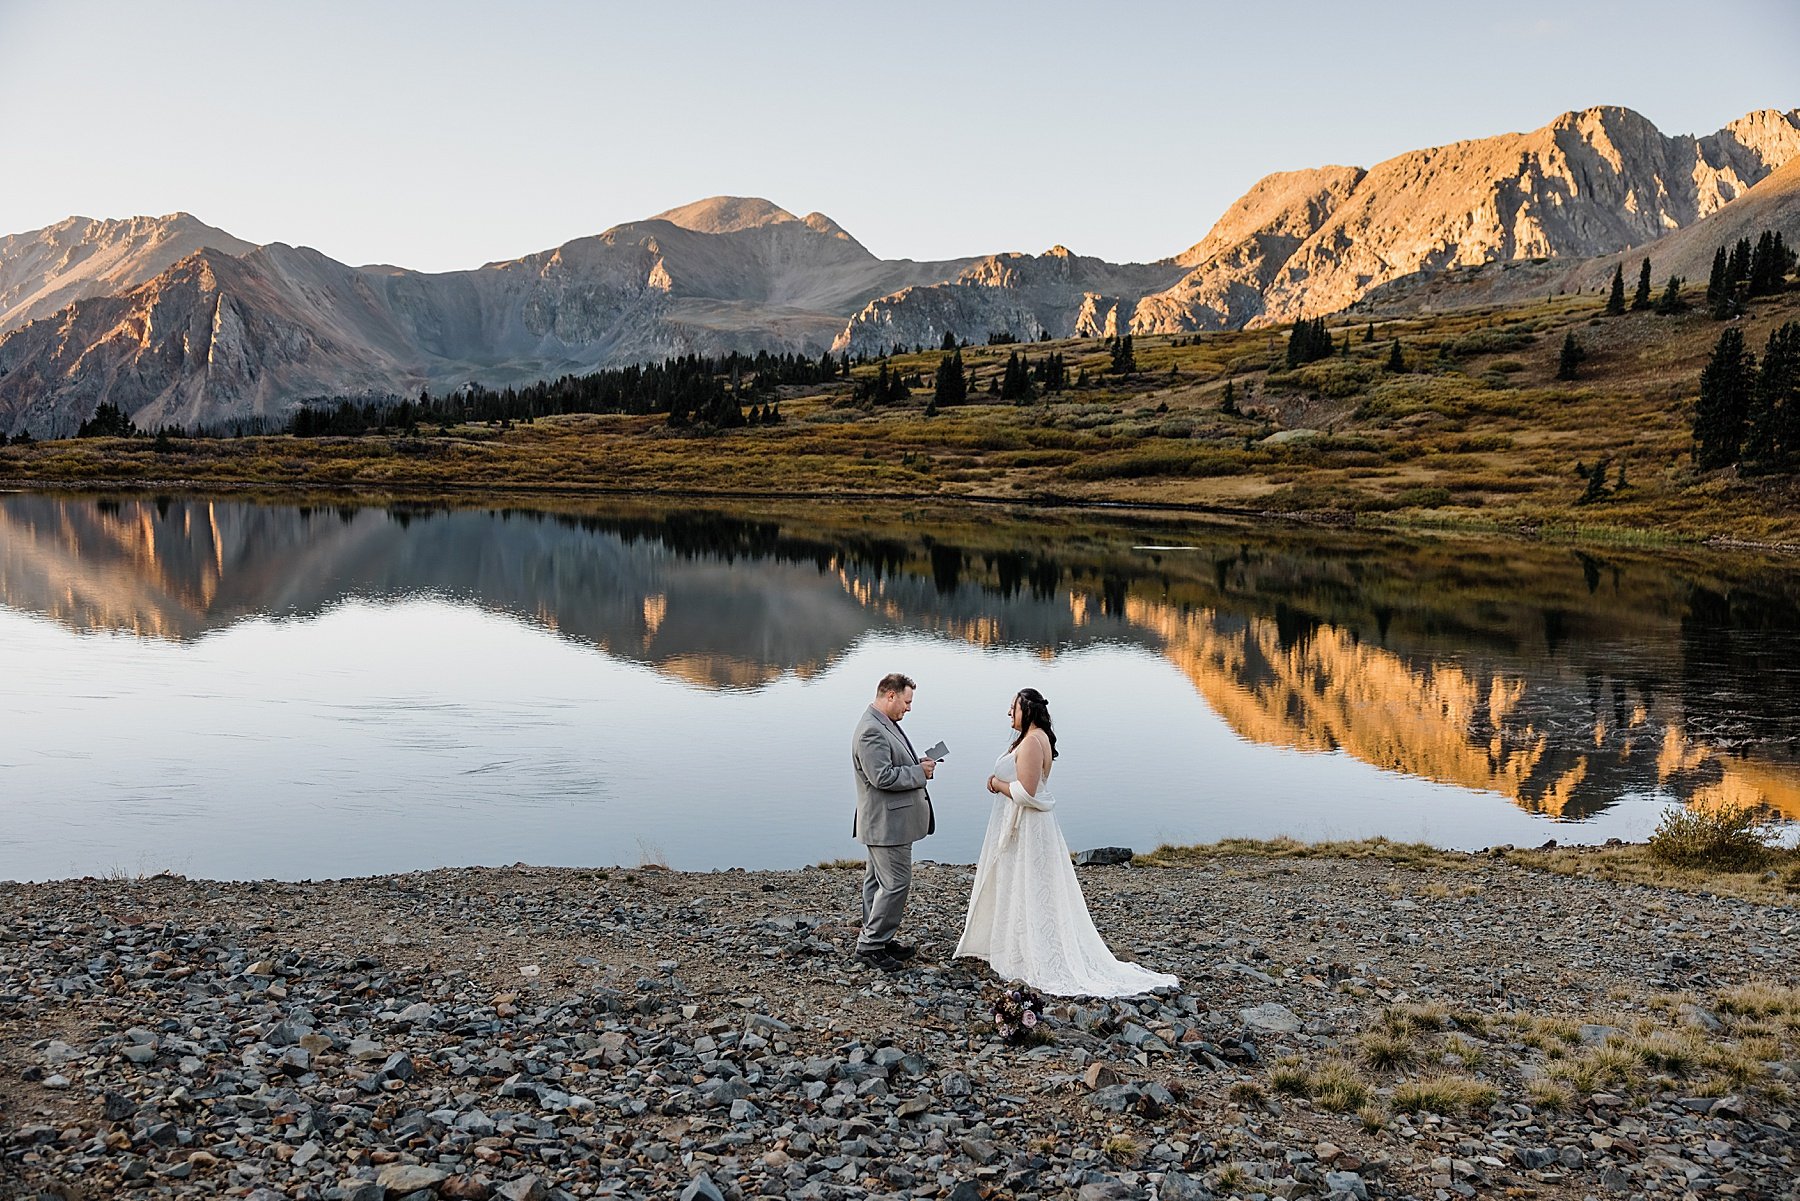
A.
pixel 1034 710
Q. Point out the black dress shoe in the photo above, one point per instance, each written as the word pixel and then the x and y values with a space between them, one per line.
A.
pixel 880 958
pixel 901 951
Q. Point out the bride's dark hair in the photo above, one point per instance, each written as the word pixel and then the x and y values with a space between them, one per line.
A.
pixel 1034 710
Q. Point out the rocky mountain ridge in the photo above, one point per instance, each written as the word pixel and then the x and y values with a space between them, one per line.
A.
pixel 179 322
pixel 48 269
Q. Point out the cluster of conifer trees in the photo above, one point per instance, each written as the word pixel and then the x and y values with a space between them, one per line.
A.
pixel 883 388
pixel 693 390
pixel 1123 358
pixel 1309 342
pixel 1749 270
pixel 1749 413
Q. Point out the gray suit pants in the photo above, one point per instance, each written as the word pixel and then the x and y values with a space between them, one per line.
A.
pixel 886 881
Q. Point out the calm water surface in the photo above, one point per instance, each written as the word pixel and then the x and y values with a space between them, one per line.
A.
pixel 233 690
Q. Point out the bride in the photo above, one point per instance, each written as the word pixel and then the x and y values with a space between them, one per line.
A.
pixel 1026 915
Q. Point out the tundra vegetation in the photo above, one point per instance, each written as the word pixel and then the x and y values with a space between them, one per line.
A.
pixel 1658 426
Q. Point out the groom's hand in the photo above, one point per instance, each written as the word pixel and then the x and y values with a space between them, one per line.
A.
pixel 930 766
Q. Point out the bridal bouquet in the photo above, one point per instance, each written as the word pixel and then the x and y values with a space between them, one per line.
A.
pixel 1019 1018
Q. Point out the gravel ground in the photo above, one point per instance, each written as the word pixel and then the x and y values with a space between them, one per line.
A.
pixel 1344 1028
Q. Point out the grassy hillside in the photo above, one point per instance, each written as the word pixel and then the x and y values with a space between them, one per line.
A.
pixel 1477 433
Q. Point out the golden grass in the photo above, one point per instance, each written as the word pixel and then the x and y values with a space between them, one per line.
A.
pixel 1549 1096
pixel 1444 1095
pixel 1335 1084
pixel 1384 1050
pixel 1246 1093
pixel 1776 881
pixel 1762 999
pixel 1406 854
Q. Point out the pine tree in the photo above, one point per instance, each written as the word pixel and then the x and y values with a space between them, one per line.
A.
pixel 1725 384
pixel 950 387
pixel 1715 283
pixel 949 342
pixel 1772 425
pixel 1642 299
pixel 1124 362
pixel 1369 334
pixel 1596 484
pixel 1615 299
pixel 1396 362
pixel 1670 302
pixel 1761 274
pixel 1015 383
pixel 1570 359
pixel 1228 406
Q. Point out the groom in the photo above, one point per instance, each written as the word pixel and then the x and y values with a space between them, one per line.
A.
pixel 893 811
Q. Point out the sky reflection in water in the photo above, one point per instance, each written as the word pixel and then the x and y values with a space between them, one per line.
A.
pixel 356 692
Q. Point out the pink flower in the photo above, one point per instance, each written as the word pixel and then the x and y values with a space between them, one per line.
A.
pixel 1030 1019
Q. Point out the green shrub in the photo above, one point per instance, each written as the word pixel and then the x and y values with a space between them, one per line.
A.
pixel 1424 498
pixel 1338 377
pixel 1730 838
pixel 1489 341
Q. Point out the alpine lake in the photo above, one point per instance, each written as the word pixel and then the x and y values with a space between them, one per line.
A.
pixel 229 689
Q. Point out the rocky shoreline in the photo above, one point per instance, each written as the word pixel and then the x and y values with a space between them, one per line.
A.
pixel 1344 1028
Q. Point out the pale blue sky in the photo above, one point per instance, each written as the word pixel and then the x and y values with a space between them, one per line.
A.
pixel 443 135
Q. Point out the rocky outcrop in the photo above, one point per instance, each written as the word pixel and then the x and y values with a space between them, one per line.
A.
pixel 214 338
pixel 1238 260
pixel 1773 204
pixel 1589 183
pixel 1058 293
pixel 44 270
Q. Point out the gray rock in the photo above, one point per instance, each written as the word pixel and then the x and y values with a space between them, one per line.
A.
pixel 1271 1017
pixel 1176 1186
pixel 702 1188
pixel 1115 1098
pixel 410 1177
pixel 1346 1184
pixel 57 1053
pixel 522 1188
pixel 1703 1018
pixel 1103 857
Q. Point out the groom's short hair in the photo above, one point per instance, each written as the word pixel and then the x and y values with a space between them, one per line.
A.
pixel 894 682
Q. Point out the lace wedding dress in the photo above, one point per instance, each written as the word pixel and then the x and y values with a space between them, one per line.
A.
pixel 1026 915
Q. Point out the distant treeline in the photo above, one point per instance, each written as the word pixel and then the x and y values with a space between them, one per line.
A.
pixel 693 390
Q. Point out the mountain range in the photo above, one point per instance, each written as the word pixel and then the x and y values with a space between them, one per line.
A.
pixel 181 323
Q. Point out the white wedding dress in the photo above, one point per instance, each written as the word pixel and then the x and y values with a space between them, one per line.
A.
pixel 1026 915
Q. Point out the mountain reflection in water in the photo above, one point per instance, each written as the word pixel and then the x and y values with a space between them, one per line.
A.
pixel 1562 680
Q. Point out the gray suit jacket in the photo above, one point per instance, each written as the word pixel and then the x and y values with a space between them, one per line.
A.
pixel 892 806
